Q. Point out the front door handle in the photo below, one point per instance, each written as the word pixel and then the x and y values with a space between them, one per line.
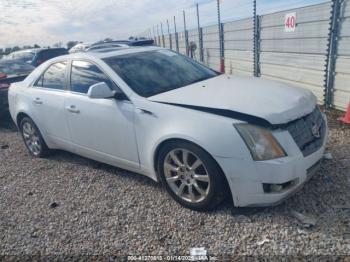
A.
pixel 73 109
pixel 37 101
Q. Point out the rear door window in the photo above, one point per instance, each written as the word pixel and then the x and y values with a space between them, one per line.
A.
pixel 54 77
pixel 85 74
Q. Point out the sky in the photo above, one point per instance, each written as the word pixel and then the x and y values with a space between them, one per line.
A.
pixel 45 22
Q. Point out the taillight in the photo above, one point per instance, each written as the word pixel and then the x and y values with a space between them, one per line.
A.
pixel 4 86
pixel 2 75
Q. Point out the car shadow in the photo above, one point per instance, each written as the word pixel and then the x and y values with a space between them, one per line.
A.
pixel 64 156
pixel 7 123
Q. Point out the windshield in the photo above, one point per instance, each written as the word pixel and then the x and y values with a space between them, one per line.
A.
pixel 12 67
pixel 154 72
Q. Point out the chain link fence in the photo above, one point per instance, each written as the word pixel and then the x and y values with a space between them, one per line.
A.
pixel 307 46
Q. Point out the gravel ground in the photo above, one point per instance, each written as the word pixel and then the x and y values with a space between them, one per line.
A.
pixel 71 205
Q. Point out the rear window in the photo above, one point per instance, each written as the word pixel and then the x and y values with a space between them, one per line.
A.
pixel 54 77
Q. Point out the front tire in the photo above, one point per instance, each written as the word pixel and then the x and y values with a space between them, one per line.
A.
pixel 33 139
pixel 191 176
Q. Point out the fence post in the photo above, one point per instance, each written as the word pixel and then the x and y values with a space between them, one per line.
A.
pixel 201 46
pixel 176 36
pixel 256 47
pixel 158 35
pixel 154 36
pixel 200 39
pixel 186 35
pixel 257 41
pixel 161 28
pixel 332 52
pixel 221 39
pixel 169 35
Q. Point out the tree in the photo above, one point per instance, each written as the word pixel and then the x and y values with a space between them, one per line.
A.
pixel 36 46
pixel 16 48
pixel 8 50
pixel 70 44
pixel 58 44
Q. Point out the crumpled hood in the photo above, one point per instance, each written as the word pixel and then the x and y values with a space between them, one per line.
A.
pixel 278 103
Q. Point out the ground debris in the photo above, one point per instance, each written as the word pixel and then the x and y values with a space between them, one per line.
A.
pixel 262 242
pixel 328 156
pixel 305 220
pixel 54 205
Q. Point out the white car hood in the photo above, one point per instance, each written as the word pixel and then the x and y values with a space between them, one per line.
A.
pixel 272 101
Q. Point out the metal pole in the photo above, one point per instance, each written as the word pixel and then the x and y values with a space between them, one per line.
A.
pixel 337 13
pixel 186 35
pixel 154 36
pixel 169 35
pixel 176 36
pixel 221 39
pixel 158 35
pixel 256 21
pixel 200 39
pixel 161 27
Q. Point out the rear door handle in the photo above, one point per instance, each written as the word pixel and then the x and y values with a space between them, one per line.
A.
pixel 73 109
pixel 37 101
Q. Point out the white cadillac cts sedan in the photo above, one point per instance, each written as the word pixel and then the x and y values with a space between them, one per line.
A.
pixel 150 110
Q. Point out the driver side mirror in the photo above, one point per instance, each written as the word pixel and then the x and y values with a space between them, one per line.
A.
pixel 101 91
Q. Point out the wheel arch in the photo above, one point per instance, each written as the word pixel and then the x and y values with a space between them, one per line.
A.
pixel 20 116
pixel 168 140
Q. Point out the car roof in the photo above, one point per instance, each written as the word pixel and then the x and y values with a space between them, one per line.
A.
pixel 109 52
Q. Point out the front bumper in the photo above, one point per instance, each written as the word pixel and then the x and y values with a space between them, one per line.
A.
pixel 247 178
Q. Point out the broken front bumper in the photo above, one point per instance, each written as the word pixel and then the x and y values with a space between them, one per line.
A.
pixel 266 183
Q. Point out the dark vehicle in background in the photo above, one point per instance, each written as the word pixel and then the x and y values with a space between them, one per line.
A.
pixel 37 56
pixel 120 43
pixel 11 71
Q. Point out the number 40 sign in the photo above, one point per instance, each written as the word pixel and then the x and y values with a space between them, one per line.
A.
pixel 290 22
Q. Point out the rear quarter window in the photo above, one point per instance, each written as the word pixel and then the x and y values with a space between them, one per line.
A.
pixel 54 77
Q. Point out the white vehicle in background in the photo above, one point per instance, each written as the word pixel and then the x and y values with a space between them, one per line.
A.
pixel 158 113
pixel 80 47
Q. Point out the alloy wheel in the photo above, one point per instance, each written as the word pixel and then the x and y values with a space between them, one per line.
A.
pixel 31 138
pixel 186 175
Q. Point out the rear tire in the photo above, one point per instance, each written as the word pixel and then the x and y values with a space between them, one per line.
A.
pixel 191 176
pixel 33 139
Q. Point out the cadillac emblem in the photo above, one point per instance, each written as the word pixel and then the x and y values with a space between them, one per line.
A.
pixel 315 130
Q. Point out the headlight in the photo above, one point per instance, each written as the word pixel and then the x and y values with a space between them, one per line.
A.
pixel 260 141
